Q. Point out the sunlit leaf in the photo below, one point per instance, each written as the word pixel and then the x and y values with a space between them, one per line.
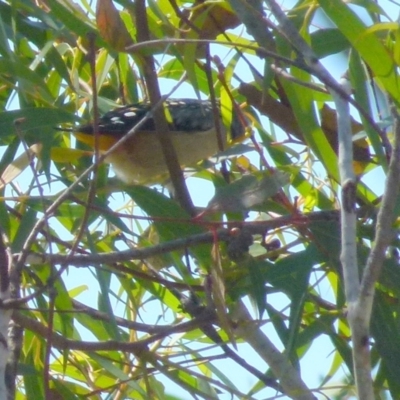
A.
pixel 367 44
pixel 247 192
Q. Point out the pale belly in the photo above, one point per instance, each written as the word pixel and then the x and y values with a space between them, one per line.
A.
pixel 136 164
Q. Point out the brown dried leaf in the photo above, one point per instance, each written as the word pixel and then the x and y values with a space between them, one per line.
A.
pixel 207 21
pixel 213 19
pixel 111 27
pixel 282 115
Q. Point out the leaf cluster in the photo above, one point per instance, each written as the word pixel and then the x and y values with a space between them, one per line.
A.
pixel 102 269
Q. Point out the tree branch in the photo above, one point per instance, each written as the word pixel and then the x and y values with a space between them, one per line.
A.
pixel 359 332
pixel 358 316
pixel 161 125
pixel 384 234
pixel 288 377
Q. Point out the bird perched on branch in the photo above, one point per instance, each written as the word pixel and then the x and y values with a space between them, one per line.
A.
pixel 140 159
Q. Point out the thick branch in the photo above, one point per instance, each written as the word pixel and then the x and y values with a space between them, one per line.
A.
pixel 383 237
pixel 359 331
pixel 358 316
pixel 289 378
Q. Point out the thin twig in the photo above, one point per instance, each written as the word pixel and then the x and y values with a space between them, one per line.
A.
pixel 314 69
pixel 253 228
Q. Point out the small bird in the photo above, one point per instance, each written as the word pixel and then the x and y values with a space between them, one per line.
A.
pixel 140 159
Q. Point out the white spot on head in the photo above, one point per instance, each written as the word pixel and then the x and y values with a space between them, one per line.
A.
pixel 130 114
pixel 117 120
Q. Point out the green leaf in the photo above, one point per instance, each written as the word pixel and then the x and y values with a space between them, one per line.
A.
pixel 302 102
pixel 29 81
pixel 5 49
pixel 247 192
pixel 370 48
pixel 25 226
pixel 359 83
pixel 33 382
pixel 74 19
pixel 326 42
pixel 175 69
pixel 104 303
pixel 387 340
pixel 299 266
pixel 36 123
pixel 258 285
pixel 171 221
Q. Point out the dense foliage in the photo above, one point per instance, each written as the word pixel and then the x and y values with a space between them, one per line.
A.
pixel 117 291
